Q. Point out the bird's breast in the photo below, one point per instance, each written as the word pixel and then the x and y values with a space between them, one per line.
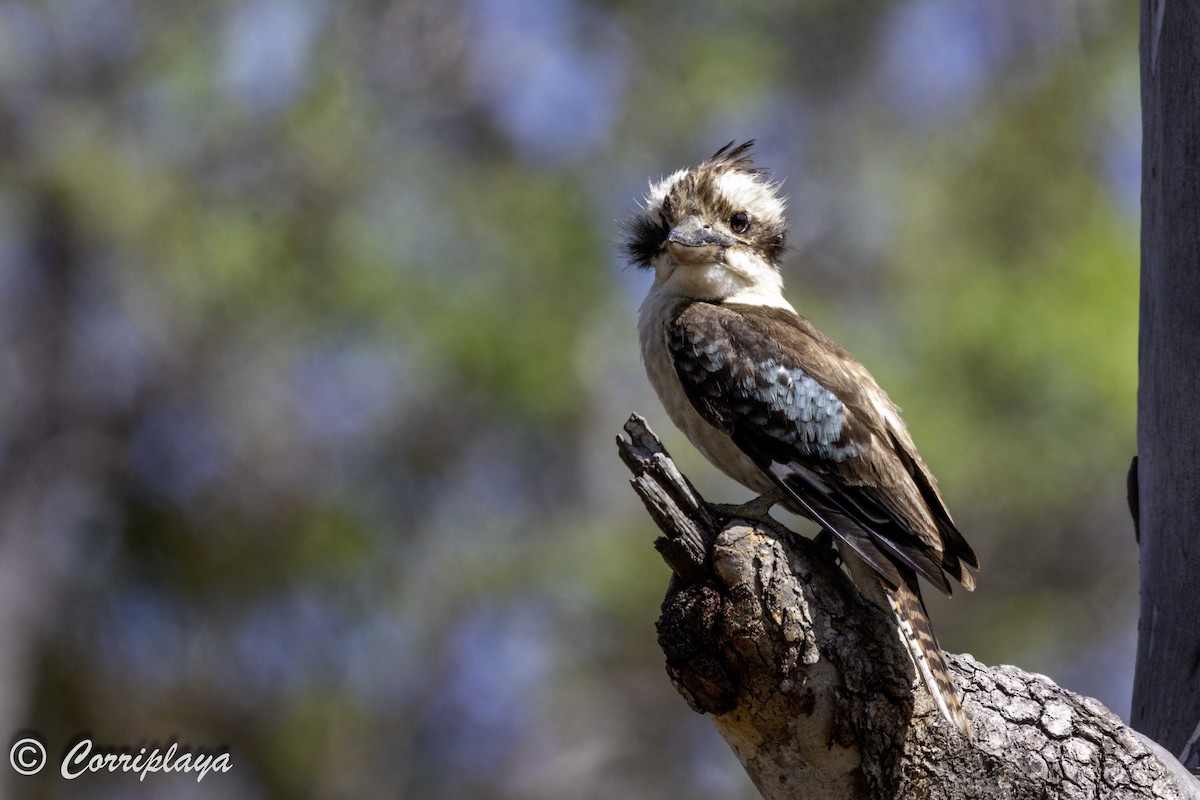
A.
pixel 714 445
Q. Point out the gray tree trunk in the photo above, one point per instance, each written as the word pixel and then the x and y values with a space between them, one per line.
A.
pixel 1166 693
pixel 809 682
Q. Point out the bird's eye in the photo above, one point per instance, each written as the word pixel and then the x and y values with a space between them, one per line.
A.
pixel 739 223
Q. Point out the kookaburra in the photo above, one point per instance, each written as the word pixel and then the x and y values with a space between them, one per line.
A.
pixel 780 407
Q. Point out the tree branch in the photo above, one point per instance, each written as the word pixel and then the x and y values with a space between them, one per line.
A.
pixel 1166 693
pixel 810 685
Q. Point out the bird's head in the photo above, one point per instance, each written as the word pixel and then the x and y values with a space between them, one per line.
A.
pixel 712 232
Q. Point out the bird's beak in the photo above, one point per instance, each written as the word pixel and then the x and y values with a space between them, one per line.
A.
pixel 694 240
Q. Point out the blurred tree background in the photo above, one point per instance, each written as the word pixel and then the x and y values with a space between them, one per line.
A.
pixel 314 338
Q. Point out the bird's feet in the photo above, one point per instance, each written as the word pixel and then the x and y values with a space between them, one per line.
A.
pixel 825 543
pixel 757 510
pixel 824 540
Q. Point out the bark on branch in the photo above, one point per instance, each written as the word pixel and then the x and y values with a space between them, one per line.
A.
pixel 1166 695
pixel 810 685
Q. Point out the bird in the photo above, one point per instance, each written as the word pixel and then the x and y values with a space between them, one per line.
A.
pixel 779 406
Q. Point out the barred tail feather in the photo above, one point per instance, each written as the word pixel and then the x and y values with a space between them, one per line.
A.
pixel 917 632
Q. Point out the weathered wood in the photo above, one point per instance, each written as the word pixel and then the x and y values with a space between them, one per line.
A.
pixel 1166 694
pixel 810 685
pixel 670 499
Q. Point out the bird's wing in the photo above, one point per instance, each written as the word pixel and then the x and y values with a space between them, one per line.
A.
pixel 812 418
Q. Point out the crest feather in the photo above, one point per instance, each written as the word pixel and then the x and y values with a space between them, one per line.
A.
pixel 735 157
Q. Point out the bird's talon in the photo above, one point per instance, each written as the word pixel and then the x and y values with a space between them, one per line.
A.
pixel 757 510
pixel 823 538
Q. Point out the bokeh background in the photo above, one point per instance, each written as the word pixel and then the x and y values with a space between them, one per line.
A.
pixel 315 336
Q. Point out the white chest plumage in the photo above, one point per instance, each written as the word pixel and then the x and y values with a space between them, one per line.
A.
pixel 656 312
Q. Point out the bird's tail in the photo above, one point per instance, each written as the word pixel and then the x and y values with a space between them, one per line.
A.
pixel 917 632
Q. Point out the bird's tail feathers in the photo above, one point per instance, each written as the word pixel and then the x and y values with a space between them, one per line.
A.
pixel 917 632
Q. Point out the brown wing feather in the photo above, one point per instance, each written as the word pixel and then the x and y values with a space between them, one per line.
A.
pixel 729 355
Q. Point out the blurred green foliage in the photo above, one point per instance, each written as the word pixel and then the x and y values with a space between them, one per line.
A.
pixel 314 337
